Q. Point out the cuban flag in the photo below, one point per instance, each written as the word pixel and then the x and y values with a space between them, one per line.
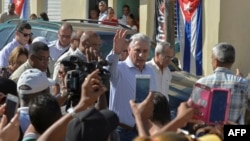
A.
pixel 22 8
pixel 189 33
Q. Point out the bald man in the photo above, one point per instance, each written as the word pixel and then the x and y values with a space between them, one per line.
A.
pixel 59 46
pixel 89 48
pixel 74 44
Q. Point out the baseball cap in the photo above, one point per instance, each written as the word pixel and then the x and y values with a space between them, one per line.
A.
pixel 92 125
pixel 209 137
pixel 174 136
pixel 40 39
pixel 33 81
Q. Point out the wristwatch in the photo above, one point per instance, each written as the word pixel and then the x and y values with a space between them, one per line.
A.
pixel 72 112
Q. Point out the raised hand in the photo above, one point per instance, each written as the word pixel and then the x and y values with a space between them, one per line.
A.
pixel 10 131
pixel 185 112
pixel 92 88
pixel 143 109
pixel 92 54
pixel 119 42
pixel 238 73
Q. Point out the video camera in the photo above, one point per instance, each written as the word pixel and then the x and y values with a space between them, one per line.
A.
pixel 77 71
pixel 75 78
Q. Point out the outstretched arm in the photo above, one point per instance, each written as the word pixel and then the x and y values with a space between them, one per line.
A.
pixel 119 44
pixel 184 115
pixel 142 112
pixel 92 88
pixel 9 131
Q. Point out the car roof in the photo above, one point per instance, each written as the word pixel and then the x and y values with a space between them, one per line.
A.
pixel 76 23
pixel 84 23
pixel 41 23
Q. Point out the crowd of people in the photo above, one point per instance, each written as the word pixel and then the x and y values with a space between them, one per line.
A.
pixel 102 15
pixel 10 14
pixel 106 15
pixel 60 101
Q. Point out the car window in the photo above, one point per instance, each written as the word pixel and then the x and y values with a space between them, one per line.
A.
pixel 51 36
pixel 4 34
pixel 38 32
pixel 107 43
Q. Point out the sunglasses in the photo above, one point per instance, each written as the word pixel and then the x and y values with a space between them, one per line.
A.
pixel 43 59
pixel 26 34
pixel 65 36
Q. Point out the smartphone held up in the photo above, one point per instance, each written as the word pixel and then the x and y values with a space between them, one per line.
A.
pixel 12 103
pixel 212 103
pixel 142 87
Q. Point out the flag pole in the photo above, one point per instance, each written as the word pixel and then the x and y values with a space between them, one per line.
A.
pixel 169 21
pixel 166 19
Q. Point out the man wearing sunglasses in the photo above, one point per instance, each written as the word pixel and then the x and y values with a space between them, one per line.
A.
pixel 22 37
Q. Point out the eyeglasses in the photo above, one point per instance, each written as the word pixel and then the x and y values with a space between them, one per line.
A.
pixel 65 36
pixel 26 34
pixel 167 57
pixel 43 58
pixel 91 45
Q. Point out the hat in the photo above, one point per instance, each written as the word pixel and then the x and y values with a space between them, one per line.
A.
pixel 8 86
pixel 40 39
pixel 33 81
pixel 209 137
pixel 92 125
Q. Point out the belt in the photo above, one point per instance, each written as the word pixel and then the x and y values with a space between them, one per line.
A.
pixel 127 127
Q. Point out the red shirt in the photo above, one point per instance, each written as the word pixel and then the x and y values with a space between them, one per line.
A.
pixel 113 22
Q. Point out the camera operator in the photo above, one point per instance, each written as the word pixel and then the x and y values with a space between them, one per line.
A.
pixel 72 73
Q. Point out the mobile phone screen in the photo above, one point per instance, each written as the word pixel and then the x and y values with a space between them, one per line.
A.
pixel 218 106
pixel 10 109
pixel 142 88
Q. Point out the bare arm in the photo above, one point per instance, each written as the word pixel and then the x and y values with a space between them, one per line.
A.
pixel 9 131
pixel 185 113
pixel 101 102
pixel 142 112
pixel 92 88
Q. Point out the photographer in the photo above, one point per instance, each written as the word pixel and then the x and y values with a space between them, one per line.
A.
pixel 92 88
pixel 72 72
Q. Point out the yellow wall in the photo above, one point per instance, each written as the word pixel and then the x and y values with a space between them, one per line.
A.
pixel 1 6
pixel 211 20
pixel 37 6
pixel 235 29
pixel 74 9
pixel 226 21
pixel 147 17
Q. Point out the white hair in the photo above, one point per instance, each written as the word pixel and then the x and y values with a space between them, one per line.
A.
pixel 224 52
pixel 160 47
pixel 139 37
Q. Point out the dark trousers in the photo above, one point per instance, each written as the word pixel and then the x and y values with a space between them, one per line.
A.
pixel 126 134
